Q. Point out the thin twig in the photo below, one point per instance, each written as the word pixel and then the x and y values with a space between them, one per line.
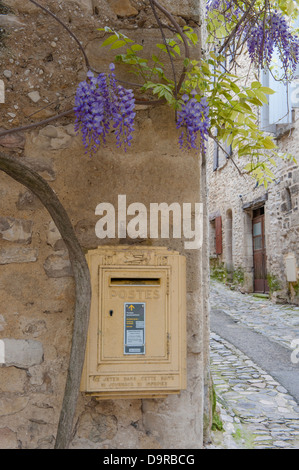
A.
pixel 229 157
pixel 182 35
pixel 167 47
pixel 241 20
pixel 36 124
pixel 264 33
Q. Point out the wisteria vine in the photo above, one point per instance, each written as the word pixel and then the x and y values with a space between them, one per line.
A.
pixel 100 101
pixel 262 41
pixel 263 34
pixel 101 106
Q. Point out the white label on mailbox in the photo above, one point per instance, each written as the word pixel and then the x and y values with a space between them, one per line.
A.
pixel 135 338
pixel 134 328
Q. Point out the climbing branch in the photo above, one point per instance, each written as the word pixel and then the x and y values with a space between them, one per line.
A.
pixel 70 32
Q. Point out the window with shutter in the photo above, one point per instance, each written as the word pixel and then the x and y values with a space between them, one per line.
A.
pixel 279 108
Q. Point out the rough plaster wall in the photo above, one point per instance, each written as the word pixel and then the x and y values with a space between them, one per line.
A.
pixel 36 284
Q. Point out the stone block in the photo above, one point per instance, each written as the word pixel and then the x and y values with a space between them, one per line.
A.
pixel 12 380
pixel 85 5
pixel 15 140
pixel 123 8
pixel 38 115
pixel 294 189
pixel 85 231
pixel 22 7
pixel 17 254
pixel 61 142
pixel 28 201
pixel 35 328
pixel 296 176
pixel 22 353
pixel 53 234
pixel 11 405
pixel 58 265
pixel 49 131
pixel 10 21
pixel 97 428
pixel 43 166
pixel 185 8
pixel 8 439
pixel 34 96
pixel 36 374
pixel 16 230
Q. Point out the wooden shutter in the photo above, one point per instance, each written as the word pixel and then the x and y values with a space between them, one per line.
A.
pixel 218 230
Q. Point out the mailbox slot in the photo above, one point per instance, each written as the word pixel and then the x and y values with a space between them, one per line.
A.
pixel 134 281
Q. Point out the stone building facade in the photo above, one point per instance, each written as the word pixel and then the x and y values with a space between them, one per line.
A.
pixel 41 67
pixel 254 231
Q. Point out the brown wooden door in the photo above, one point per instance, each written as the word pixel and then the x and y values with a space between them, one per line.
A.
pixel 259 254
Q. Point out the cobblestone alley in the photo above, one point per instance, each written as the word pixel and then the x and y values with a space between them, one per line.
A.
pixel 256 410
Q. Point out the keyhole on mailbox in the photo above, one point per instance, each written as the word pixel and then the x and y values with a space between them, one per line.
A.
pixel 110 313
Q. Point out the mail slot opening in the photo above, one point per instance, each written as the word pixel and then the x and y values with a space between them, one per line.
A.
pixel 135 281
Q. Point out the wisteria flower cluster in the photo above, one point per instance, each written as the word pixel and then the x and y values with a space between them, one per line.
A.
pixel 276 34
pixel 263 36
pixel 102 106
pixel 194 119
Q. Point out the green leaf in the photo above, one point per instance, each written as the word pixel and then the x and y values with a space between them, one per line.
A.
pixel 186 62
pixel 248 167
pixel 177 50
pixel 110 40
pixel 261 96
pixel 268 143
pixel 118 44
pixel 256 85
pixel 290 7
pixel 235 88
pixel 267 90
pixel 136 47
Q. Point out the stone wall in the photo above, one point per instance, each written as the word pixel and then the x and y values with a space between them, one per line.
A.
pixel 229 191
pixel 41 66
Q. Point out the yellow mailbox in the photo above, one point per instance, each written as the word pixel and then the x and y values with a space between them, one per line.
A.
pixel 136 344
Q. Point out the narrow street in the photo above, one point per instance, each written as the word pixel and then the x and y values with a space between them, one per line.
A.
pixel 255 370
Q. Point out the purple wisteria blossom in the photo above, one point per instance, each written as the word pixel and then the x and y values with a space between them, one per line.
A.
pixel 194 119
pixel 277 35
pixel 101 106
pixel 263 36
